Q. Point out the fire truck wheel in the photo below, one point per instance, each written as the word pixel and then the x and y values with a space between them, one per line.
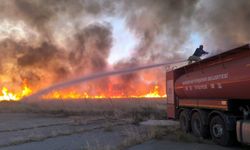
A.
pixel 199 129
pixel 185 121
pixel 219 133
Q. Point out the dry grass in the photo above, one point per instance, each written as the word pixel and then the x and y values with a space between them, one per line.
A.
pixel 132 110
pixel 97 146
pixel 137 109
pixel 173 133
pixel 108 126
pixel 39 135
pixel 134 136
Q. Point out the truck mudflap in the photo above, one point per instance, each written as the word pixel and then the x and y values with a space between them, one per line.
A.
pixel 243 131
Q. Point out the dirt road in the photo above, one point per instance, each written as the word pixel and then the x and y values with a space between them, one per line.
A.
pixel 166 144
pixel 19 131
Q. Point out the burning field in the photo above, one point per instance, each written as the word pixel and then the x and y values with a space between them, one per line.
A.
pixel 151 92
pixel 47 42
pixel 74 69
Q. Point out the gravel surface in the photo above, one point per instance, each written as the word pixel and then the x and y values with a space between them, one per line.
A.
pixel 20 131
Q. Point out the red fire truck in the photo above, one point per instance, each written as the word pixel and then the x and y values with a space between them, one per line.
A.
pixel 211 98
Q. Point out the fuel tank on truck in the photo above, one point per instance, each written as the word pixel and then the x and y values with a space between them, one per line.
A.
pixel 225 76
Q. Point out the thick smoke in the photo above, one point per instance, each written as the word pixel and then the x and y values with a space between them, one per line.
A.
pixel 35 63
pixel 93 45
pixel 152 22
pixel 157 20
pixel 41 15
pixel 38 56
pixel 165 26
pixel 92 49
pixel 55 40
pixel 224 23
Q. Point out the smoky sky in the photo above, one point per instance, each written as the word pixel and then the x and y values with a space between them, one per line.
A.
pixel 224 21
pixel 63 39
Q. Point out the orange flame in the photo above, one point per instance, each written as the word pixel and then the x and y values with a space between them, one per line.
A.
pixel 154 93
pixel 12 95
pixel 8 95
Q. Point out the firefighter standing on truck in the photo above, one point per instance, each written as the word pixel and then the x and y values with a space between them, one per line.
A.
pixel 197 54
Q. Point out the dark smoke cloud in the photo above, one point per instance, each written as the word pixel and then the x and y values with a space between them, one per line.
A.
pixel 37 56
pixel 36 61
pixel 152 19
pixel 92 48
pixel 225 22
pixel 90 54
pixel 41 15
pixel 162 27
pixel 222 25
pixel 28 62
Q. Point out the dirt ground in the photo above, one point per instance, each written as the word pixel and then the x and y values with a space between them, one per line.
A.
pixel 166 144
pixel 25 131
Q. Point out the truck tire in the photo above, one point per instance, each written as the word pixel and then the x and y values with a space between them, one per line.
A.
pixel 219 133
pixel 199 129
pixel 185 121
